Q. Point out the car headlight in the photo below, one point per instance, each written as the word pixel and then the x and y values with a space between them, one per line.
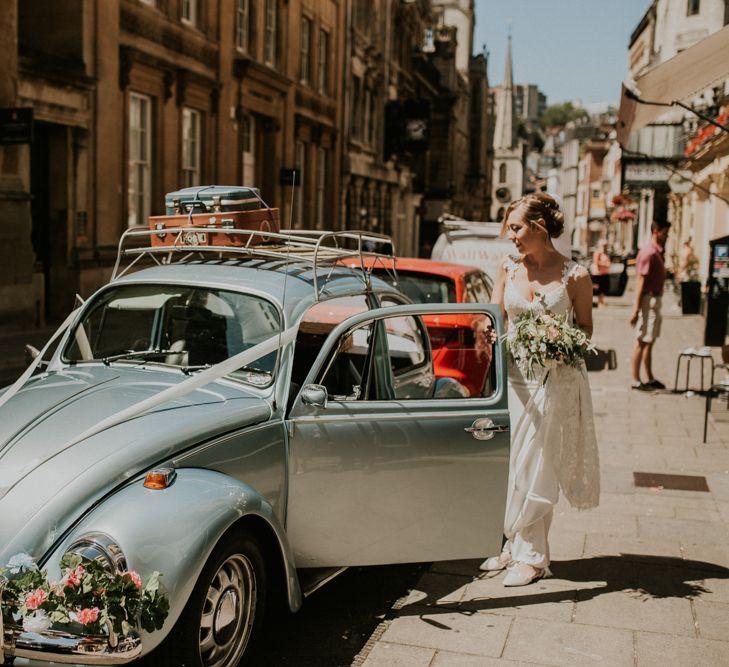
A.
pixel 102 549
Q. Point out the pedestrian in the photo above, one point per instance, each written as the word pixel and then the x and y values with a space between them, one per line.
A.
pixel 600 270
pixel 553 443
pixel 650 273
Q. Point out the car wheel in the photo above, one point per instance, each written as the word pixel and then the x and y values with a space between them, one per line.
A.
pixel 224 614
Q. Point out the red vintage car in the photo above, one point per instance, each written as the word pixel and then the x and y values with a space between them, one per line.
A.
pixel 461 350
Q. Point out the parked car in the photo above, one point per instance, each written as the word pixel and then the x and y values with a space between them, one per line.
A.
pixel 452 337
pixel 293 419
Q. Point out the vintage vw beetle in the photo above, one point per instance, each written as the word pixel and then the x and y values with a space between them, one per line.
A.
pixel 290 407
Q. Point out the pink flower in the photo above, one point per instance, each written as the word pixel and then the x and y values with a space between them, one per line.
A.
pixel 88 615
pixel 57 589
pixel 74 577
pixel 553 333
pixel 134 577
pixel 35 599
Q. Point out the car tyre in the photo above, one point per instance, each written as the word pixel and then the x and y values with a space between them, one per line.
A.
pixel 224 615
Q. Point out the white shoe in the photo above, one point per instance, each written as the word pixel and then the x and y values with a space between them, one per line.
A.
pixel 496 563
pixel 521 574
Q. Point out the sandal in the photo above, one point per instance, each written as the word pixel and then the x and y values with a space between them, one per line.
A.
pixel 521 574
pixel 496 563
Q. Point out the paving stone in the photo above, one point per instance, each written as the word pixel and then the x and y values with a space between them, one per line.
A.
pixel 608 544
pixel 546 599
pixel 658 650
pixel 384 654
pixel 706 532
pixel 635 610
pixel 712 555
pixel 712 619
pixel 448 659
pixel 475 634
pixel 565 644
pixel 717 587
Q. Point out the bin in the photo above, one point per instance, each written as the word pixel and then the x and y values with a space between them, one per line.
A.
pixel 691 297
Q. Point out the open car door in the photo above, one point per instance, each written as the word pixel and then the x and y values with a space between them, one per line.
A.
pixel 392 458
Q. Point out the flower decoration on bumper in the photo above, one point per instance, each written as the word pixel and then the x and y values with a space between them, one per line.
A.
pixel 87 596
pixel 540 340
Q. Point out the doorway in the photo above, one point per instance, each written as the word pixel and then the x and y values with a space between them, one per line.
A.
pixel 49 187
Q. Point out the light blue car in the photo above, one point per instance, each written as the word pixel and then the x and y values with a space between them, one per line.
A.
pixel 334 445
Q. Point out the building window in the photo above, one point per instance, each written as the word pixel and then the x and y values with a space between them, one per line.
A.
pixel 270 33
pixel 299 163
pixel 372 125
pixel 248 140
pixel 356 107
pixel 323 62
pixel 693 7
pixel 502 173
pixel 321 179
pixel 140 149
pixel 189 11
pixel 242 24
pixel 190 147
pixel 304 55
pixel 151 3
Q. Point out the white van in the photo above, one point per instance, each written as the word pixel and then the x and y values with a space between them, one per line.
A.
pixel 473 243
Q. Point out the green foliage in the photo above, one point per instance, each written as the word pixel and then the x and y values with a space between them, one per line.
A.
pixel 558 115
pixel 84 600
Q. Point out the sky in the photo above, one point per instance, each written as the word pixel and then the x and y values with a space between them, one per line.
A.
pixel 572 49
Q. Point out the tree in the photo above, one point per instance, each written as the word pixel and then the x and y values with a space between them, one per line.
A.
pixel 558 115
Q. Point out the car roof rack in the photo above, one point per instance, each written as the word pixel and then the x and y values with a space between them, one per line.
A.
pixel 318 249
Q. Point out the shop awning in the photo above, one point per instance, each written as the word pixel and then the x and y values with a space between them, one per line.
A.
pixel 681 78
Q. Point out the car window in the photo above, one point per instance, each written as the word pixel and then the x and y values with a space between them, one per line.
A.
pixel 345 376
pixel 436 356
pixel 315 326
pixel 191 327
pixel 421 287
pixel 477 291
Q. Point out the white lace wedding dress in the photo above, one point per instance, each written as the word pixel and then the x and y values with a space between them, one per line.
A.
pixel 553 443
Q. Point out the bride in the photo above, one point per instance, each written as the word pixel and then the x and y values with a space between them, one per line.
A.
pixel 553 442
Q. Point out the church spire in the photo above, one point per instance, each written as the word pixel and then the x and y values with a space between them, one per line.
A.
pixel 505 135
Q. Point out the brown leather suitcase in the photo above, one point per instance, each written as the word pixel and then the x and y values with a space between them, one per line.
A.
pixel 264 220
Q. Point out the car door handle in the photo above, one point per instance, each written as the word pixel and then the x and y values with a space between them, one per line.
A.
pixel 484 429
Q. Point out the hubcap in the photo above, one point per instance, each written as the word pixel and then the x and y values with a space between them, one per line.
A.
pixel 228 613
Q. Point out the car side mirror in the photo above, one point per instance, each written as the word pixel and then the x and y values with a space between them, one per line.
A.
pixel 314 394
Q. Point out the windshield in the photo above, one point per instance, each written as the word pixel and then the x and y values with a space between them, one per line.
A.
pixel 421 287
pixel 186 327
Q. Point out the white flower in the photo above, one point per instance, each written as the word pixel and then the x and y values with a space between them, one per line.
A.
pixel 21 562
pixel 38 622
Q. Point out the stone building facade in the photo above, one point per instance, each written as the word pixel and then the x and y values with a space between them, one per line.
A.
pixel 135 98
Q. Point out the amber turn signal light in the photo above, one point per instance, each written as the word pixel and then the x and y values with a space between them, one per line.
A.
pixel 160 478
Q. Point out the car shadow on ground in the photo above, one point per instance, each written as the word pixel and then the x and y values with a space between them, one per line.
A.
pixel 335 622
pixel 647 576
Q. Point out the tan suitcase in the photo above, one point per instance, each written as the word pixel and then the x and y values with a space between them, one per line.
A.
pixel 264 220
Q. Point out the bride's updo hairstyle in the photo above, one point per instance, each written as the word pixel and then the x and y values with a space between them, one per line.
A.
pixel 540 211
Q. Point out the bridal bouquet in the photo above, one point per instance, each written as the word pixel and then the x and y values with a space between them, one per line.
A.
pixel 86 596
pixel 540 339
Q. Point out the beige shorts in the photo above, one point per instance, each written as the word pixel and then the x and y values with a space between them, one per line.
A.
pixel 648 326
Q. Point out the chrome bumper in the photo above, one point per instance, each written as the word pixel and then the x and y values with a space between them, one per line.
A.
pixel 64 647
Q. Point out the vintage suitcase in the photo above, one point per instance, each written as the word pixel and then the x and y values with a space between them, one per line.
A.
pixel 212 199
pixel 263 219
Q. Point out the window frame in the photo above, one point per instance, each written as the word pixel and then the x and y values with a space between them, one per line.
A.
pixel 189 12
pixel 243 25
pixel 143 132
pixel 270 32
pixel 321 185
pixel 693 7
pixel 323 64
pixel 305 51
pixel 299 165
pixel 191 171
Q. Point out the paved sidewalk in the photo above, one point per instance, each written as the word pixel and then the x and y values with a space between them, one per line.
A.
pixel 642 580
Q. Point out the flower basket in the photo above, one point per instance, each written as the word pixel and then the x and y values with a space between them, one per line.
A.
pixel 87 601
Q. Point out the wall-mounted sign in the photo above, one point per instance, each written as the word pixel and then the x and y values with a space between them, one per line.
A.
pixel 646 173
pixel 16 126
